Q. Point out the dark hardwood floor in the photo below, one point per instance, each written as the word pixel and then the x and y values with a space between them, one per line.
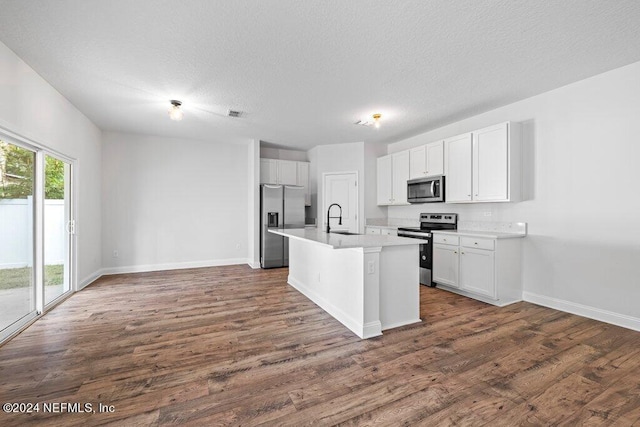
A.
pixel 236 346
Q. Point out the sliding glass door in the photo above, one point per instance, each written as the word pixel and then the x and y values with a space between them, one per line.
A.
pixel 18 292
pixel 57 228
pixel 36 232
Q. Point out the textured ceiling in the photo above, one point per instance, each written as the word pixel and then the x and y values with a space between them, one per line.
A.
pixel 303 71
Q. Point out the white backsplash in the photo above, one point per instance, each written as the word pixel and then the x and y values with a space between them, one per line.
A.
pixel 498 227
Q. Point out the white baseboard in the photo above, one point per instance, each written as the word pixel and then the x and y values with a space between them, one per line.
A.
pixel 617 319
pixel 90 279
pixel 254 265
pixel 173 266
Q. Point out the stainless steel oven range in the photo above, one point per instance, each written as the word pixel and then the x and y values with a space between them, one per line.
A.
pixel 428 223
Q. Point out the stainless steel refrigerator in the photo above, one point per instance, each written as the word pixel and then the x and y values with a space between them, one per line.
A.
pixel 281 206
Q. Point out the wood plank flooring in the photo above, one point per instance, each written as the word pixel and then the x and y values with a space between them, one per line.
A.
pixel 236 346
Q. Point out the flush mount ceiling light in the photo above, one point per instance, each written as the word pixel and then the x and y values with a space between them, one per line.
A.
pixel 175 112
pixel 373 121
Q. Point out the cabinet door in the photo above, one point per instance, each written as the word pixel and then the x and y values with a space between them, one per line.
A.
pixel 434 159
pixel 384 179
pixel 418 162
pixel 268 171
pixel 400 173
pixel 287 172
pixel 491 163
pixel 445 265
pixel 477 272
pixel 458 152
pixel 303 180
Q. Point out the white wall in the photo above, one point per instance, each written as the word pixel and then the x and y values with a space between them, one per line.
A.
pixel 582 147
pixel 347 157
pixel 33 109
pixel 280 154
pixel 173 203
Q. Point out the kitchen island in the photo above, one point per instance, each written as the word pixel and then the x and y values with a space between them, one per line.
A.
pixel 370 283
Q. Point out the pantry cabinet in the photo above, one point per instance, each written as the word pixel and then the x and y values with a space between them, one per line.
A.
pixel 426 160
pixel 393 173
pixel 484 268
pixel 484 165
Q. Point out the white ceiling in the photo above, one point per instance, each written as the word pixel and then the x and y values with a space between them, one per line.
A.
pixel 303 71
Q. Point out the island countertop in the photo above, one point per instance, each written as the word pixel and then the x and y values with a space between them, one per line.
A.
pixel 342 241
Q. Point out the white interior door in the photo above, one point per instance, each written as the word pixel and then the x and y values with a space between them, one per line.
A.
pixel 341 188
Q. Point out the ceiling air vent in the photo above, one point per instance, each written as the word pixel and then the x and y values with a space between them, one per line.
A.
pixel 234 113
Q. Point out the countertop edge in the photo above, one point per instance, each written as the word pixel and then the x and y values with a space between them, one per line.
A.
pixel 474 233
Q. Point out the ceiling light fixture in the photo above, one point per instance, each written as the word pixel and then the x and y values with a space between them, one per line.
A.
pixel 374 121
pixel 175 112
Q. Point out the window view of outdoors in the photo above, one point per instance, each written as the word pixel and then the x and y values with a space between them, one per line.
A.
pixel 17 296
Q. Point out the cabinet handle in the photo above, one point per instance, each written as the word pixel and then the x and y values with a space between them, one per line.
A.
pixel 475 243
pixel 462 253
pixel 444 240
pixel 455 252
pixel 476 194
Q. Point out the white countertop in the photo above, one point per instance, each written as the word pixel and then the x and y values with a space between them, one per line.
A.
pixel 474 233
pixel 341 241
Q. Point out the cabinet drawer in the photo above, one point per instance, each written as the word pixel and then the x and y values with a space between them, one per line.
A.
pixel 372 230
pixel 479 243
pixel 389 232
pixel 445 239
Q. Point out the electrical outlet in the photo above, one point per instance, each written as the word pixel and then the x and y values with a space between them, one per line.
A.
pixel 371 267
pixel 115 254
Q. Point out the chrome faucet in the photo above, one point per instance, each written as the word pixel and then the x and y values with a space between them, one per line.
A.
pixel 329 217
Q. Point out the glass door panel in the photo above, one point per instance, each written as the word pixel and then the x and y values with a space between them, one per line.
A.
pixel 57 228
pixel 17 283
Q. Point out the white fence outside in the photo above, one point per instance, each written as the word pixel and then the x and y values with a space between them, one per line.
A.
pixel 16 232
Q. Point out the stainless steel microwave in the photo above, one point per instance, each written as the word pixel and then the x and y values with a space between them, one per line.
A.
pixel 426 190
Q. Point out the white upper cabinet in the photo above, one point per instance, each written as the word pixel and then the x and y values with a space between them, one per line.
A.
pixel 400 168
pixel 385 177
pixel 303 180
pixel 484 165
pixel 491 163
pixel 288 172
pixel 393 173
pixel 268 171
pixel 426 160
pixel 458 153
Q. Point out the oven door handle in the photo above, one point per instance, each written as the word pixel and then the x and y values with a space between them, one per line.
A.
pixel 412 234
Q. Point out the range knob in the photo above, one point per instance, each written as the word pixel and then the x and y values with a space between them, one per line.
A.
pixel 424 258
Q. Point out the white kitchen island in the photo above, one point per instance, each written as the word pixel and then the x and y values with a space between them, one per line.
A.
pixel 370 283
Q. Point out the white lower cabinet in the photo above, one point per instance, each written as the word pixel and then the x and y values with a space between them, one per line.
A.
pixel 445 264
pixel 487 269
pixel 385 231
pixel 477 271
pixel 372 230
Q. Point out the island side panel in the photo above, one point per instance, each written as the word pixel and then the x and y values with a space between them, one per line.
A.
pixel 333 279
pixel 399 286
